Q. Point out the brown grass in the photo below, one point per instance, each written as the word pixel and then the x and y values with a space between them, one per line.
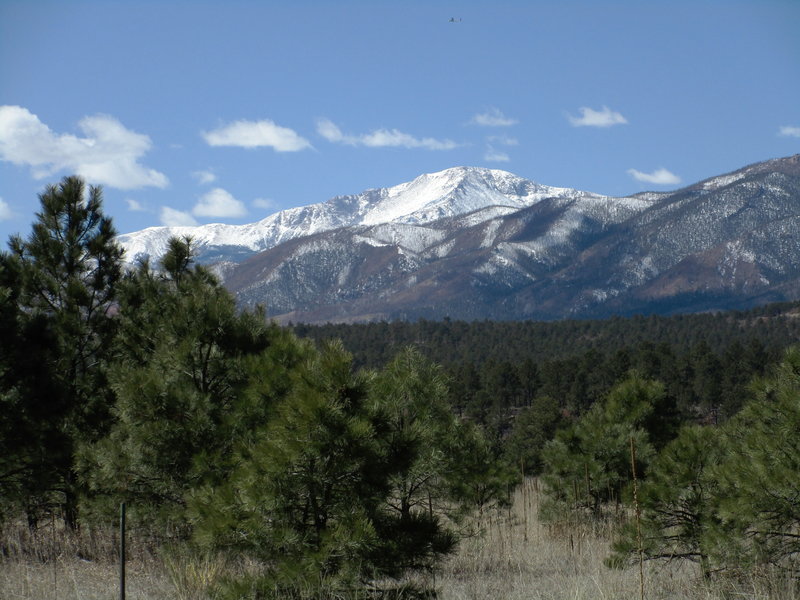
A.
pixel 515 557
pixel 51 562
pixel 519 557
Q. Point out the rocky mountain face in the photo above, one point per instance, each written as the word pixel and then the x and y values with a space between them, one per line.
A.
pixel 479 244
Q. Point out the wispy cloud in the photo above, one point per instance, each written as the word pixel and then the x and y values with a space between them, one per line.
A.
pixel 219 203
pixel 176 218
pixel 108 154
pixel 658 177
pixel 596 118
pixel 790 130
pixel 493 118
pixel 257 134
pixel 5 211
pixel 204 177
pixel 134 205
pixel 265 203
pixel 503 140
pixel 380 138
pixel 493 155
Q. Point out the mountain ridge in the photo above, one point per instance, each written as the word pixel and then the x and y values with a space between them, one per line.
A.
pixel 475 243
pixel 429 197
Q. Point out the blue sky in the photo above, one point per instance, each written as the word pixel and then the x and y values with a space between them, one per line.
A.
pixel 199 112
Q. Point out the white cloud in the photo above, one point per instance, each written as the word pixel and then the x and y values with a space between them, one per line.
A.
pixel 176 218
pixel 597 118
pixel 493 118
pixel 790 130
pixel 219 203
pixel 5 211
pixel 204 177
pixel 659 177
pixel 108 154
pixel 134 205
pixel 381 138
pixel 329 130
pixel 503 140
pixel 493 155
pixel 255 134
pixel 393 137
pixel 266 203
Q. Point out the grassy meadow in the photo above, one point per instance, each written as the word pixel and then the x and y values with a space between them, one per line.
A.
pixel 514 556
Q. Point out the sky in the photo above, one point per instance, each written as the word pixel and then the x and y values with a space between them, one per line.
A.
pixel 193 112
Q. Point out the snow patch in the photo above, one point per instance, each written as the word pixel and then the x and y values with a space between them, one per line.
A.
pixel 721 181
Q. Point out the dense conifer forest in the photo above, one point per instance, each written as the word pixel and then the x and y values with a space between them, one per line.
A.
pixel 448 342
pixel 496 369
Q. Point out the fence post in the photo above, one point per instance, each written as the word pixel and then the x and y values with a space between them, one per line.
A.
pixel 638 519
pixel 122 551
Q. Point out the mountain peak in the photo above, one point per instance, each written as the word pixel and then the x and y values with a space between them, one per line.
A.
pixel 462 173
pixel 427 198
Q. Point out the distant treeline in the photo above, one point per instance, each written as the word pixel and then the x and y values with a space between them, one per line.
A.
pixel 706 361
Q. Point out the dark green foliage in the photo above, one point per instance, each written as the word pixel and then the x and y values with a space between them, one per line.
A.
pixel 759 478
pixel 497 368
pixel 459 342
pixel 479 476
pixel 589 463
pixel 182 375
pixel 304 495
pixel 25 472
pixel 358 476
pixel 420 429
pixel 532 429
pixel 35 445
pixel 454 466
pixel 729 497
pixel 70 266
pixel 677 503
pixel 65 274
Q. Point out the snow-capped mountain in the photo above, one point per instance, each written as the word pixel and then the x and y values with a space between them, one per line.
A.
pixel 731 241
pixel 475 243
pixel 427 198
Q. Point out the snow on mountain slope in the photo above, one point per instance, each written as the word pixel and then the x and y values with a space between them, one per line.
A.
pixel 452 192
pixel 728 241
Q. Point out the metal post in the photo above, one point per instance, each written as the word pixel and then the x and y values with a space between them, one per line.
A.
pixel 122 551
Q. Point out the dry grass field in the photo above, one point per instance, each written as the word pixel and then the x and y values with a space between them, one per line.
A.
pixel 515 557
pixel 518 557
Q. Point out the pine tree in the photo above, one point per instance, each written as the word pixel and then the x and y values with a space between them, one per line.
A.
pixel 302 500
pixel 419 432
pixel 354 479
pixel 588 464
pixel 760 477
pixel 184 364
pixel 20 462
pixel 531 430
pixel 678 503
pixel 69 267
